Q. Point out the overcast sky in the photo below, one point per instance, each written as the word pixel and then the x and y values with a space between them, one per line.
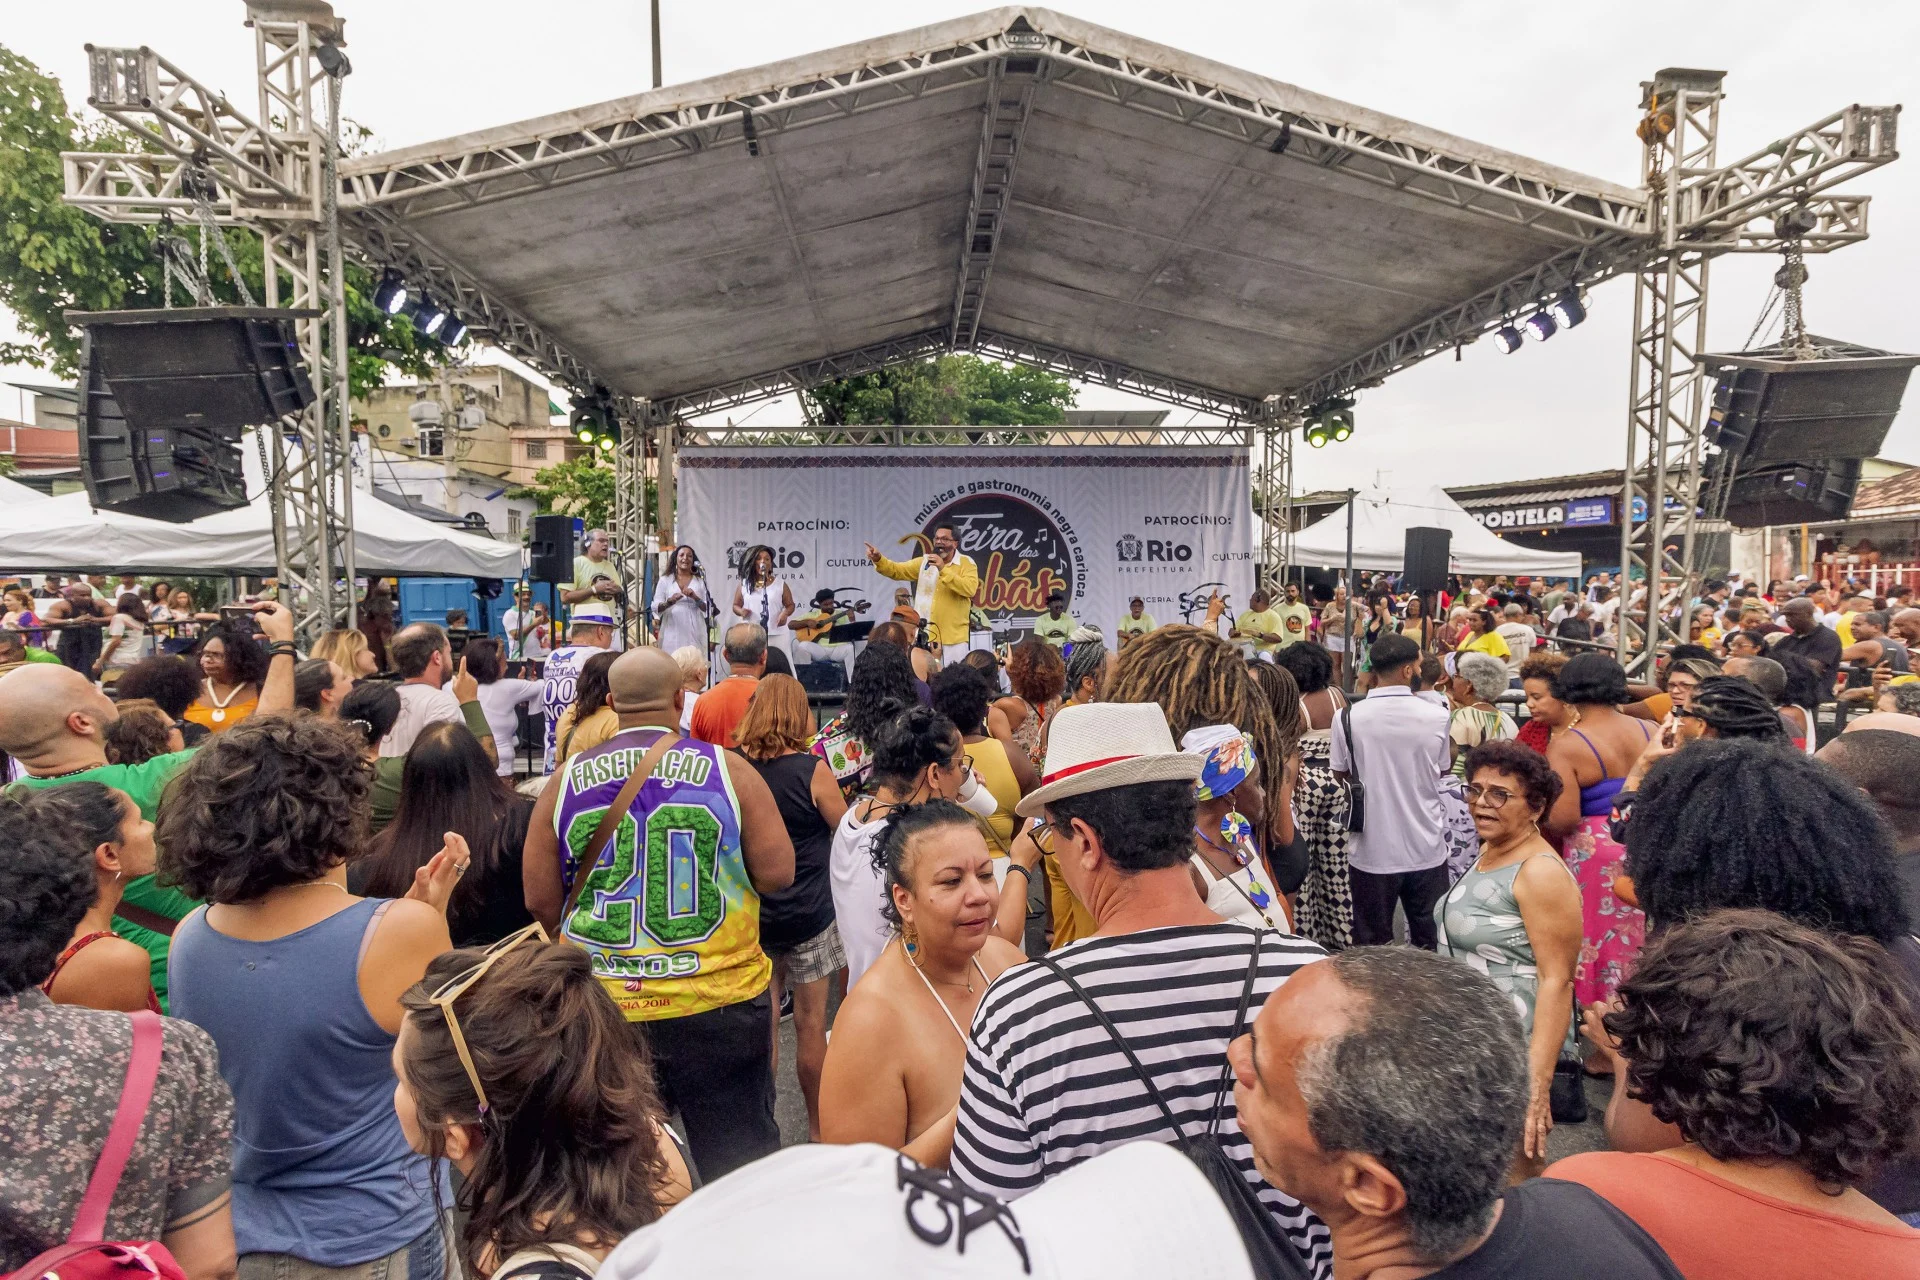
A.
pixel 1555 81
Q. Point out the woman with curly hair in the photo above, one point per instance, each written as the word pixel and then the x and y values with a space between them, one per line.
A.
pixel 1514 915
pixel 883 685
pixel 1546 714
pixel 232 666
pixel 545 1104
pixel 1038 676
pixel 1325 910
pixel 141 733
pixel 299 981
pixel 1788 1061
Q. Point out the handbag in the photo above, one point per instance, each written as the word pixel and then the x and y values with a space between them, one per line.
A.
pixel 1272 1255
pixel 1567 1096
pixel 1356 790
pixel 85 1255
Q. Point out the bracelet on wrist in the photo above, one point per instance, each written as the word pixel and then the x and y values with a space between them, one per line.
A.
pixel 1025 871
pixel 283 648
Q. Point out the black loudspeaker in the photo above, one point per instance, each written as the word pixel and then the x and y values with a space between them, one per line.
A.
pixel 166 396
pixel 550 550
pixel 1425 566
pixel 164 473
pixel 821 679
pixel 1771 409
pixel 1803 494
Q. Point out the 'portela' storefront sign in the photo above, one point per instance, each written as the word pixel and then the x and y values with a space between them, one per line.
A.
pixel 1579 513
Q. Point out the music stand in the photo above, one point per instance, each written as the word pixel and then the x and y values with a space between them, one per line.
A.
pixel 849 632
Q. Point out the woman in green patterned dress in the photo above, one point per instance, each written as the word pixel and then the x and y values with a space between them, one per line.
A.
pixel 1515 916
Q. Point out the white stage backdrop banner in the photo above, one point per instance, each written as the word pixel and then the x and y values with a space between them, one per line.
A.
pixel 1106 524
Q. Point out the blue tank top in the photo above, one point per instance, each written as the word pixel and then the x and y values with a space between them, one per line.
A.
pixel 321 1169
pixel 669 915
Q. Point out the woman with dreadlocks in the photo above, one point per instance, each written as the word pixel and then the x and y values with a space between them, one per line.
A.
pixel 1200 679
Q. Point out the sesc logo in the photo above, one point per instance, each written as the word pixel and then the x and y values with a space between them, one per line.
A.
pixel 1127 549
pixel 1194 602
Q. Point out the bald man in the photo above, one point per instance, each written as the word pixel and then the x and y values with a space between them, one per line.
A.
pixel 1906 626
pixel 1892 721
pixel 1884 764
pixel 53 721
pixel 670 908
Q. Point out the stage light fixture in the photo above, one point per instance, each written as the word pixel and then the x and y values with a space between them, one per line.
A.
pixel 1316 433
pixel 390 295
pixel 584 435
pixel 605 444
pixel 1342 427
pixel 428 317
pixel 1507 338
pixel 1540 326
pixel 454 332
pixel 1567 309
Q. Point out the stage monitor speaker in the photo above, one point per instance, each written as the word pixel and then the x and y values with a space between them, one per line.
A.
pixel 550 550
pixel 1771 409
pixel 171 473
pixel 1806 493
pixel 1425 566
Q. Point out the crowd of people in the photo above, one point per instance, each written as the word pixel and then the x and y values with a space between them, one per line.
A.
pixel 1277 946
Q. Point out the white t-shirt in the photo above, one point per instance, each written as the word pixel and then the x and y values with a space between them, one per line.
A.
pixel 501 701
pixel 1520 640
pixel 1402 744
pixel 533 645
pixel 420 706
pixel 858 892
pixel 135 644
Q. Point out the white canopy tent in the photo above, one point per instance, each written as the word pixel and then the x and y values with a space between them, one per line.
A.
pixel 1381 518
pixel 13 494
pixel 67 533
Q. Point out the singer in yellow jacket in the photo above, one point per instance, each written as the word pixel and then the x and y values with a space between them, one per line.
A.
pixel 945 584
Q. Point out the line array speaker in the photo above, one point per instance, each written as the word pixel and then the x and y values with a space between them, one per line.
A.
pixel 166 395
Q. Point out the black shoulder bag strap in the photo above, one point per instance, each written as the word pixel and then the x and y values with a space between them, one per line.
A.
pixel 1270 1252
pixel 1356 790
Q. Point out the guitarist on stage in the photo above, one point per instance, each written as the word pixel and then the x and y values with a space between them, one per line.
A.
pixel 810 643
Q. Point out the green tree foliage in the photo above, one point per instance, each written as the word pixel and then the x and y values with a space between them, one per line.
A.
pixel 55 258
pixel 580 487
pixel 951 390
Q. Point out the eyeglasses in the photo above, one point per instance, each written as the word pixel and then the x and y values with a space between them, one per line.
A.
pixel 1496 797
pixel 443 999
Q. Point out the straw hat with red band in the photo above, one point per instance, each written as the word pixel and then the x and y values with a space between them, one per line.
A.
pixel 1105 745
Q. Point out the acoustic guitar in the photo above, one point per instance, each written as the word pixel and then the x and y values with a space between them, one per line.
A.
pixel 809 629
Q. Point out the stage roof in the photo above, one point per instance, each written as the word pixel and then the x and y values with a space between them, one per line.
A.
pixel 1018 182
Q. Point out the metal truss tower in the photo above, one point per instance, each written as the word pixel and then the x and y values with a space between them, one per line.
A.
pixel 277 177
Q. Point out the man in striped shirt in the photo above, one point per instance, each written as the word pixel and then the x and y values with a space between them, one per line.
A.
pixel 1046 1086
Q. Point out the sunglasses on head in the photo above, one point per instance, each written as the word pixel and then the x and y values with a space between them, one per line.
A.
pixel 455 988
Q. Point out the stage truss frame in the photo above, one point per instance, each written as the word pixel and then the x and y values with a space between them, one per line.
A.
pixel 1689 211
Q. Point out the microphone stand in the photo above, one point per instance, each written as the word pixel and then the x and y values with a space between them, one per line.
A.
pixel 707 616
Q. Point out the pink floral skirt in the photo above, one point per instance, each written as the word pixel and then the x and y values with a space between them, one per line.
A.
pixel 1611 930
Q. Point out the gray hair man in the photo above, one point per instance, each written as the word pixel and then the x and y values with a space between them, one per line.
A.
pixel 1386 1089
pixel 722 708
pixel 1520 639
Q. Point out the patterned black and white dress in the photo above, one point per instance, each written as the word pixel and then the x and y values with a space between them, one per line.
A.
pixel 1320 813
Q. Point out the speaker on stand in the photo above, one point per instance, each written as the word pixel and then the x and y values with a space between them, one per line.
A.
pixel 1423 571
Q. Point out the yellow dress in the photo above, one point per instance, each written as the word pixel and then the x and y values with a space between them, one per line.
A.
pixel 989 757
pixel 570 740
pixel 1071 919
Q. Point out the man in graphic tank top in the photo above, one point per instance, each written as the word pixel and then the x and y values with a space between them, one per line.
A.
pixel 669 912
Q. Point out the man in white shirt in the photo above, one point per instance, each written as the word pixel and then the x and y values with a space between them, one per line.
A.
pixel 528 630
pixel 591 633
pixel 1519 636
pixel 424 659
pixel 1398 753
